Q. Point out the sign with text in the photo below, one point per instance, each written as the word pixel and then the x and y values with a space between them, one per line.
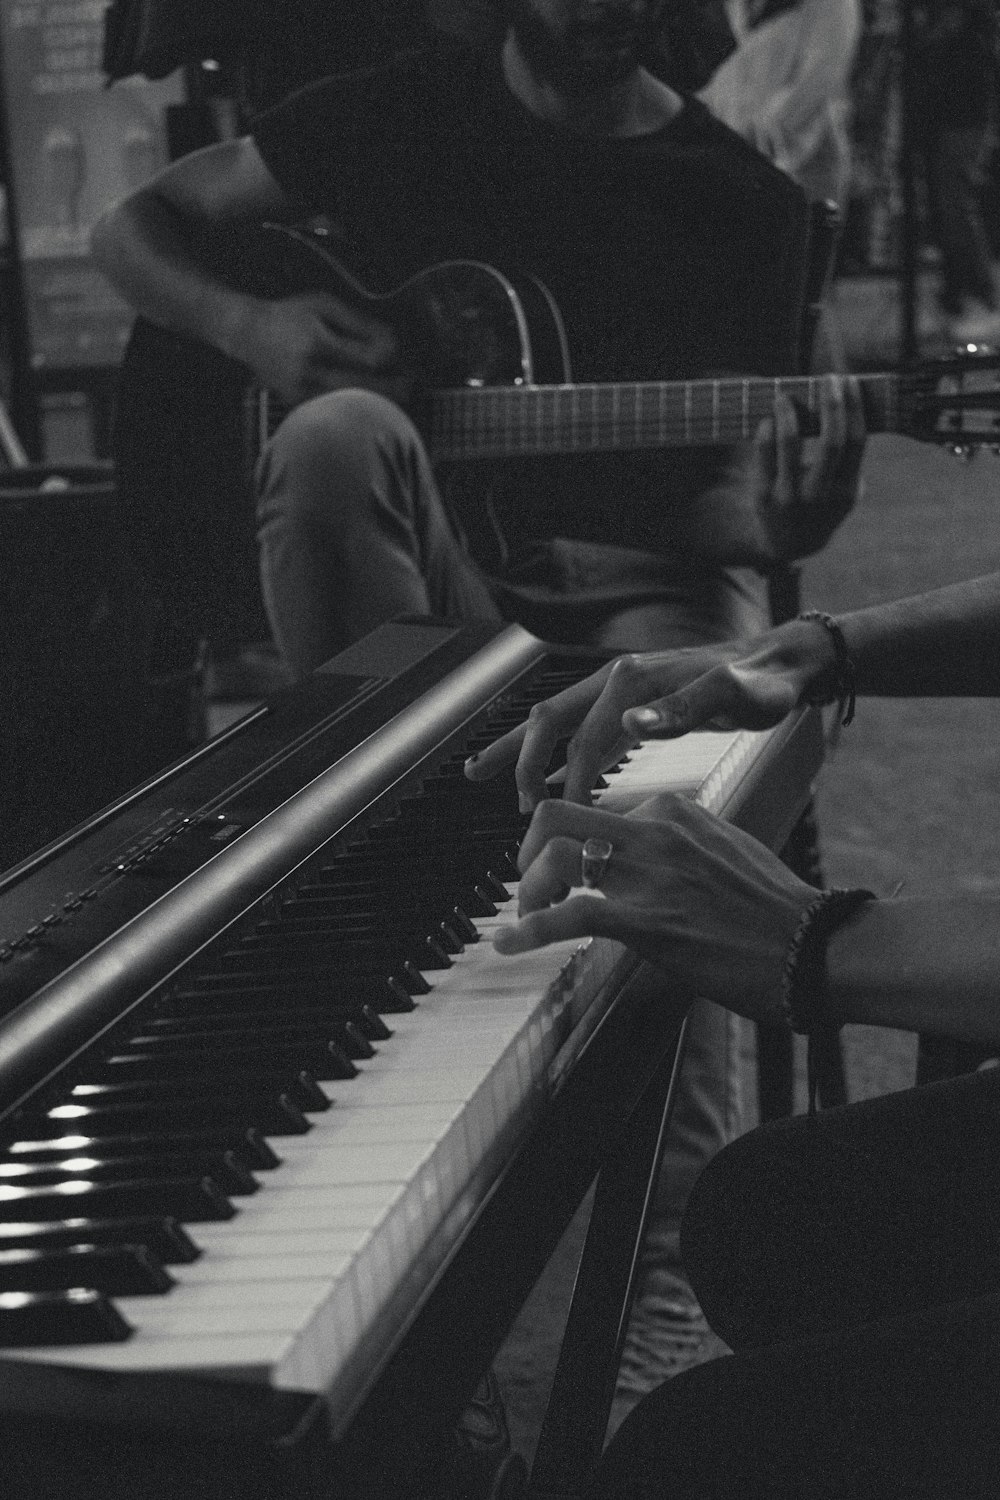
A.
pixel 75 147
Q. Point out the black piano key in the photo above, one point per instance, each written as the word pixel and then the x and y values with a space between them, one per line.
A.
pixel 324 1059
pixel 484 905
pixel 193 1200
pixel 372 1024
pixel 357 1041
pixel 166 1240
pixel 431 955
pixel 397 997
pixel 464 926
pixel 301 1087
pixel 118 1270
pixel 451 832
pixel 264 1037
pixel 243 987
pixel 76 1316
pixel 506 865
pixel 197 1015
pixel 496 887
pixel 413 981
pixel 275 1114
pixel 223 1167
pixel 242 1016
pixel 248 1147
pixel 448 938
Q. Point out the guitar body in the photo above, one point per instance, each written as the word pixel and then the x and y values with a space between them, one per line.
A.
pixel 459 322
pixel 190 422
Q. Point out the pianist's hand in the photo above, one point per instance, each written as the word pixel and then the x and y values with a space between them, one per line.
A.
pixel 707 904
pixel 800 505
pixel 663 693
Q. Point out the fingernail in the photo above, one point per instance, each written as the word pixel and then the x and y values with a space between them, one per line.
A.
pixel 472 759
pixel 525 803
pixel 647 718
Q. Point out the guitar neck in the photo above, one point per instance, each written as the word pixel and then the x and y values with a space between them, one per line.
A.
pixel 523 421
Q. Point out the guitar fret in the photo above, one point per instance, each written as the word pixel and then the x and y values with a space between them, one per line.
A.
pixel 508 420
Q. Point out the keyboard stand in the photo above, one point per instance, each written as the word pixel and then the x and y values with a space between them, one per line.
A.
pixel 583 1387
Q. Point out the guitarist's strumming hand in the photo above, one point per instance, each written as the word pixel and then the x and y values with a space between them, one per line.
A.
pixel 305 345
pixel 800 504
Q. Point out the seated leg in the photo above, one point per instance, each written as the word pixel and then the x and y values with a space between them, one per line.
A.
pixel 894 1409
pixel 852 1262
pixel 352 531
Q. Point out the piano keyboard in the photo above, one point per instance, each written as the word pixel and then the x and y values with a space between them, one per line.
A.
pixel 300 1274
pixel 293 1286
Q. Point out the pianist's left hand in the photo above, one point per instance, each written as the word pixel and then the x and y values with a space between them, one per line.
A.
pixel 702 901
pixel 590 712
pixel 749 685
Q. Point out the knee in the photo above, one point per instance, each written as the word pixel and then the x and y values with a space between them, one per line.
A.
pixel 681 1440
pixel 735 1210
pixel 335 445
pixel 722 1197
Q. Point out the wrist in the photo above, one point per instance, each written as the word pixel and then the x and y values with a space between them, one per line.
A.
pixel 801 651
pixel 837 685
pixel 804 990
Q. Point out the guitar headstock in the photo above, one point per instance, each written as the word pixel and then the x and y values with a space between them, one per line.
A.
pixel 954 400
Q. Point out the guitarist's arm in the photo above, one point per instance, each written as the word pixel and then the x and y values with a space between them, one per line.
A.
pixel 151 246
pixel 779 502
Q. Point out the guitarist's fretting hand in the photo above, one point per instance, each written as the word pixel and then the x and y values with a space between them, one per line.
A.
pixel 800 505
pixel 313 342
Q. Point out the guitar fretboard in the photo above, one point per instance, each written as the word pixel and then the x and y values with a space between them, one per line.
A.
pixel 521 420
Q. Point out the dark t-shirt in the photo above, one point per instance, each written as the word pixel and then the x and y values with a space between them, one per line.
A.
pixel 670 255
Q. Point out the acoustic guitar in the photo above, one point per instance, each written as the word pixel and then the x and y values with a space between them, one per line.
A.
pixel 495 372
pixel 494 380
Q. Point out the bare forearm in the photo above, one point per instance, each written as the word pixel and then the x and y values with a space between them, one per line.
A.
pixel 145 248
pixel 161 247
pixel 945 643
pixel 920 964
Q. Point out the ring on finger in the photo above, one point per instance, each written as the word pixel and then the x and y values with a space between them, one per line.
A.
pixel 595 857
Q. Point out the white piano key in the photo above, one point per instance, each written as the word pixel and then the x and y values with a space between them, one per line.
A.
pixel 245 1357
pixel 678 765
pixel 273 1259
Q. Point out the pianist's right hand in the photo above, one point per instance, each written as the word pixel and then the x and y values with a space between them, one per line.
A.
pixel 658 694
pixel 704 902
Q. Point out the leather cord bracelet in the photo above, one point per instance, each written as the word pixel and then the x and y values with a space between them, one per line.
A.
pixel 839 682
pixel 804 993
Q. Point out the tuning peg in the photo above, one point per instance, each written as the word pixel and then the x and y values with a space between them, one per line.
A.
pixel 963 451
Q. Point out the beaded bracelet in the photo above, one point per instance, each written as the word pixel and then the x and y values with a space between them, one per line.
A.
pixel 804 997
pixel 843 674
